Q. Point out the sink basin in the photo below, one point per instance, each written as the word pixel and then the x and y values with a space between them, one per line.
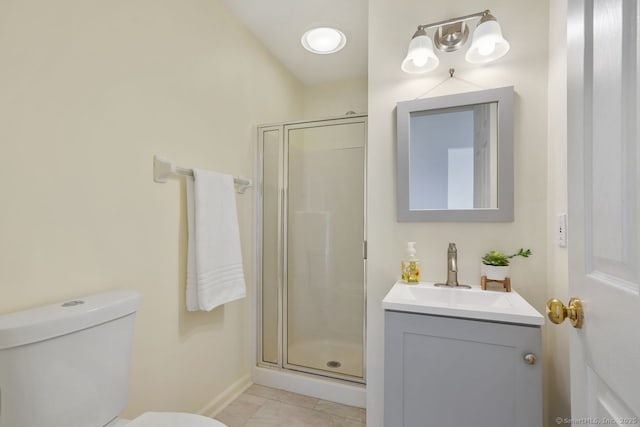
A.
pixel 457 297
pixel 471 303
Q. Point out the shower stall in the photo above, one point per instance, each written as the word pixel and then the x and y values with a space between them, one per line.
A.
pixel 311 248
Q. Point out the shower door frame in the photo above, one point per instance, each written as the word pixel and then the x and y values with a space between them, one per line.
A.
pixel 259 199
pixel 283 128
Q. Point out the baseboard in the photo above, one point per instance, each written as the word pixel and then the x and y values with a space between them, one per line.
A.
pixel 227 396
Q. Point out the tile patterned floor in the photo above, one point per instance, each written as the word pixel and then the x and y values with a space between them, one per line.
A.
pixel 262 406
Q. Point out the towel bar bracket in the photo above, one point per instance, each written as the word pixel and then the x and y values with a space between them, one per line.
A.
pixel 162 169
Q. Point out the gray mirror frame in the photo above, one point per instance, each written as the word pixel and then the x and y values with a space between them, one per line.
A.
pixel 504 212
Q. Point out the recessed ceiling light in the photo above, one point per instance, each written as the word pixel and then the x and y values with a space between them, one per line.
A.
pixel 323 40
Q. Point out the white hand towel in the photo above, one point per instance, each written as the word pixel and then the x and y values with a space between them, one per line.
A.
pixel 214 265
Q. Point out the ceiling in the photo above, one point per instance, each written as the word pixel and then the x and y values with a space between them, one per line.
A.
pixel 279 25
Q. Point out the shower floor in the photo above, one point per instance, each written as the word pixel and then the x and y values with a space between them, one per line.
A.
pixel 325 355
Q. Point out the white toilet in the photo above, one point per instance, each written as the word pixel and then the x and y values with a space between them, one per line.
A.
pixel 67 365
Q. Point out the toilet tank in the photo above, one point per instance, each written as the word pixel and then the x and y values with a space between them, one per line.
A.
pixel 67 364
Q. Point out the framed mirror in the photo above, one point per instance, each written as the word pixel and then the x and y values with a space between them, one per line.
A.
pixel 455 157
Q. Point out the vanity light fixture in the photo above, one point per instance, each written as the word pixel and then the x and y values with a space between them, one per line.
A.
pixel 323 40
pixel 487 43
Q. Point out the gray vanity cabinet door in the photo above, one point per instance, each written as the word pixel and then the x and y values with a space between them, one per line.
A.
pixel 450 372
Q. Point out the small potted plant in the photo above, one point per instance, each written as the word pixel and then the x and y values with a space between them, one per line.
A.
pixel 495 265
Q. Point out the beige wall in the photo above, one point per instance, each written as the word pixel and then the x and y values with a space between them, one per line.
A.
pixel 90 92
pixel 335 98
pixel 557 336
pixel 390 28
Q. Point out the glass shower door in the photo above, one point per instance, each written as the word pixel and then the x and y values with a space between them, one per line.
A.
pixel 324 237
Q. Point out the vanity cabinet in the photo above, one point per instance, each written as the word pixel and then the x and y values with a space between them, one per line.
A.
pixel 447 371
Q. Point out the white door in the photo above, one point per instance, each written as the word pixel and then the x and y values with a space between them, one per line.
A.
pixel 604 218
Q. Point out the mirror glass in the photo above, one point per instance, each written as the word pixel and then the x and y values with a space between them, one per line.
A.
pixel 455 157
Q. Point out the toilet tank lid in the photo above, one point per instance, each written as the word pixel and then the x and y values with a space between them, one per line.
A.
pixel 41 323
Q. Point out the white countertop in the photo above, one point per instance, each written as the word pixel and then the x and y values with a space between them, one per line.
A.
pixel 474 303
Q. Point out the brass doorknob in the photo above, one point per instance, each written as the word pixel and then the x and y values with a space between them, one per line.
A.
pixel 557 312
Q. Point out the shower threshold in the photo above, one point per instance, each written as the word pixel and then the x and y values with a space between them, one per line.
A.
pixel 339 391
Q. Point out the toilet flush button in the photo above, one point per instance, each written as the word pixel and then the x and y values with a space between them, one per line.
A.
pixel 72 303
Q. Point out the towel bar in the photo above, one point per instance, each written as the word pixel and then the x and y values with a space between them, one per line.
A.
pixel 163 169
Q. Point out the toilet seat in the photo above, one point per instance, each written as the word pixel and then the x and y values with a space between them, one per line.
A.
pixel 173 419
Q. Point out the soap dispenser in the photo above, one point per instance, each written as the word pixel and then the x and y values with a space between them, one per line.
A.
pixel 411 265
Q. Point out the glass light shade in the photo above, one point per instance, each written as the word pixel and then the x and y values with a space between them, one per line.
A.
pixel 487 44
pixel 420 56
pixel 323 40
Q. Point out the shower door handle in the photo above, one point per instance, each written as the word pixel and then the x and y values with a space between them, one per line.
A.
pixel 364 250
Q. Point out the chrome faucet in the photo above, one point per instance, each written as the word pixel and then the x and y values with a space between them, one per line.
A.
pixel 452 268
pixel 452 265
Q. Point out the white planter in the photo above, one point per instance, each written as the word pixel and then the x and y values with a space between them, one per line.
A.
pixel 494 272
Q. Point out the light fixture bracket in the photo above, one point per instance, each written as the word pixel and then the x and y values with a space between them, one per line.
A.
pixel 451 37
pixel 452 34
